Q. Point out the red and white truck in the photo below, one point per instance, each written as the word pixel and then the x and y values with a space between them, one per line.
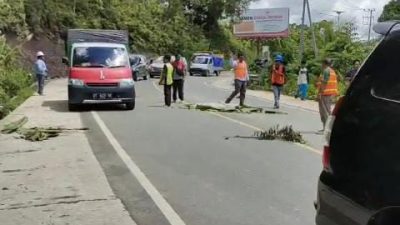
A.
pixel 98 65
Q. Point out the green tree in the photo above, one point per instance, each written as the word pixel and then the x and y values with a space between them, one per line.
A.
pixel 391 11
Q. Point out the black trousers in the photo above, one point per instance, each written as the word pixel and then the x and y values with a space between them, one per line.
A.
pixel 167 94
pixel 178 89
pixel 240 87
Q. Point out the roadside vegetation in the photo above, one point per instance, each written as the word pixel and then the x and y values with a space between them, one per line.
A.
pixel 15 82
pixel 340 44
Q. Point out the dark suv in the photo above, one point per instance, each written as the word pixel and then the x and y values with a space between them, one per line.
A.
pixel 361 159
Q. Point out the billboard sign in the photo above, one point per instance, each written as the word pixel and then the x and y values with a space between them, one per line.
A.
pixel 263 23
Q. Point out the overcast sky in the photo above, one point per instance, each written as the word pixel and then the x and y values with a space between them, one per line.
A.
pixel 324 10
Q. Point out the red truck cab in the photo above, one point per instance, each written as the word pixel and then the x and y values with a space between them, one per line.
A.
pixel 98 72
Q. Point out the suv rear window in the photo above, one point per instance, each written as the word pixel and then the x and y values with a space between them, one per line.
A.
pixel 386 86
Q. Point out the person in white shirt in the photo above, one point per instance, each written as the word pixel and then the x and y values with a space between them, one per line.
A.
pixel 40 69
pixel 302 82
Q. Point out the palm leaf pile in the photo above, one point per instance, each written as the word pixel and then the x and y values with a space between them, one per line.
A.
pixel 226 108
pixel 35 133
pixel 276 133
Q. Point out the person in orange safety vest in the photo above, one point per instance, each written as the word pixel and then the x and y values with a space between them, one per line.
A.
pixel 241 78
pixel 278 79
pixel 327 90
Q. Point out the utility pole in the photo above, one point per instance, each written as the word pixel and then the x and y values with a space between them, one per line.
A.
pixel 312 30
pixel 74 8
pixel 307 4
pixel 371 17
pixel 338 17
pixel 302 30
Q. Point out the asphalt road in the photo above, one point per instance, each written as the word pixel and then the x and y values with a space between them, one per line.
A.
pixel 206 177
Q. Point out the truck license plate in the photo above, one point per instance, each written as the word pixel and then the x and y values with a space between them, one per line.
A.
pixel 102 96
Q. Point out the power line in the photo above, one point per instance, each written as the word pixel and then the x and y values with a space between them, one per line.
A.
pixel 353 6
pixel 326 14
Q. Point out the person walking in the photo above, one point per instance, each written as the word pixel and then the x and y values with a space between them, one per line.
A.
pixel 302 81
pixel 241 77
pixel 327 90
pixel 41 71
pixel 278 79
pixel 352 72
pixel 179 78
pixel 167 80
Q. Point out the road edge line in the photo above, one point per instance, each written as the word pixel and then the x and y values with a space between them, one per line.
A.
pixel 170 214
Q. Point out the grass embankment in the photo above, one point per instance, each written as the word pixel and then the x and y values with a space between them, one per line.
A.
pixel 15 82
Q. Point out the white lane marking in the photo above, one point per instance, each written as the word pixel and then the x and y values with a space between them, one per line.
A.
pixel 237 121
pixel 306 147
pixel 169 213
pixel 157 87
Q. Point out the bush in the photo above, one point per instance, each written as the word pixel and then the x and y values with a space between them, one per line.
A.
pixel 14 80
pixel 15 83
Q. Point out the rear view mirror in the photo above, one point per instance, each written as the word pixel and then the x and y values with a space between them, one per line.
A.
pixel 65 60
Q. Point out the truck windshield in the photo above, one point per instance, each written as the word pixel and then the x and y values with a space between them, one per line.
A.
pixel 200 60
pixel 111 57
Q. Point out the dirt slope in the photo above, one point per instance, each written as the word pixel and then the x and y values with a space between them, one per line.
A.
pixel 53 49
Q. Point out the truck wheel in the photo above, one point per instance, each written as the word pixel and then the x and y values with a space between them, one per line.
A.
pixel 72 107
pixel 216 73
pixel 191 74
pixel 135 77
pixel 130 105
pixel 145 77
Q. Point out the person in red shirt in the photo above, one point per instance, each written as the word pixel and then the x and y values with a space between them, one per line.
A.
pixel 278 79
pixel 179 78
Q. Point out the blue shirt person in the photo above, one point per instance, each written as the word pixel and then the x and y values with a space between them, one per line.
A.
pixel 41 71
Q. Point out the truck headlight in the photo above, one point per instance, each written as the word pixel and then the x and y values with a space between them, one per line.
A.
pixel 126 82
pixel 75 82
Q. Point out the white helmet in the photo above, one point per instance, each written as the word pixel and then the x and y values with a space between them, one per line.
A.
pixel 39 53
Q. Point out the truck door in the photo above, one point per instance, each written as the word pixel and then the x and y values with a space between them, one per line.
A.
pixel 211 66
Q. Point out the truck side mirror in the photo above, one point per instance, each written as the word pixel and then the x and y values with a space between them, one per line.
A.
pixel 65 60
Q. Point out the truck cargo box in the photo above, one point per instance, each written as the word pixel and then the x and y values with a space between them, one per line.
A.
pixel 92 35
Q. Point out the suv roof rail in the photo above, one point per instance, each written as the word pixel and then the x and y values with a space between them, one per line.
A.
pixel 384 28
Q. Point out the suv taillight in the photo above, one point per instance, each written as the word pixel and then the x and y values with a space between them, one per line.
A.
pixel 326 155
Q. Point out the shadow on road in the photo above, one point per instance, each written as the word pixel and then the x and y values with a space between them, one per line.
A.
pixel 62 106
pixel 57 105
pixel 242 137
pixel 311 132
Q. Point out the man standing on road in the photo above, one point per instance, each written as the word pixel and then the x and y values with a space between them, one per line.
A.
pixel 179 78
pixel 327 90
pixel 350 75
pixel 40 69
pixel 302 82
pixel 166 79
pixel 241 77
pixel 278 79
